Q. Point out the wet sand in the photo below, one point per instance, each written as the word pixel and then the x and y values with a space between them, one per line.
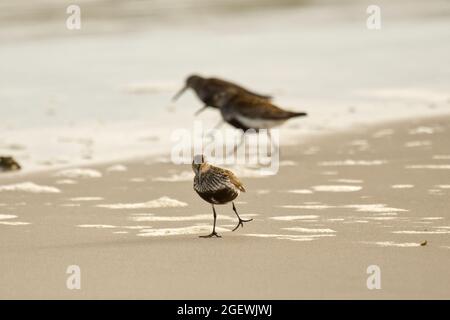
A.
pixel 339 204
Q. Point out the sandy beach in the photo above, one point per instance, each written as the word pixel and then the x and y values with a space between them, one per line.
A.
pixel 340 203
pixel 87 114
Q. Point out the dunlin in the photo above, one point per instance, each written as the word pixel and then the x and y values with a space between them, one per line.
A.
pixel 216 186
pixel 8 164
pixel 245 112
pixel 207 89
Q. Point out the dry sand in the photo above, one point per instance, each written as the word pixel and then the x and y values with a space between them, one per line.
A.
pixel 339 204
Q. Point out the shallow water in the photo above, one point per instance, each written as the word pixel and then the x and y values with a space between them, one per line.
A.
pixel 104 93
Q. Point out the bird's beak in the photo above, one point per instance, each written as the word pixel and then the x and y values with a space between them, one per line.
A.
pixel 179 93
pixel 200 110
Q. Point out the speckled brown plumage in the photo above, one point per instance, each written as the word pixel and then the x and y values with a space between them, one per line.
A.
pixel 208 88
pixel 216 186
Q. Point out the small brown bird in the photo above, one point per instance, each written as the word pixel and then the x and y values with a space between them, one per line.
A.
pixel 207 88
pixel 247 112
pixel 216 186
pixel 9 164
pixel 244 111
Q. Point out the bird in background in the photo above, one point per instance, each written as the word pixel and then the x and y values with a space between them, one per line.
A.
pixel 239 107
pixel 207 88
pixel 244 111
pixel 216 186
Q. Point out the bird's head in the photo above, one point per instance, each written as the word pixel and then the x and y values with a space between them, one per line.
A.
pixel 197 163
pixel 193 81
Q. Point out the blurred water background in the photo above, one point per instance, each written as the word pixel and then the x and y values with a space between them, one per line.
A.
pixel 103 92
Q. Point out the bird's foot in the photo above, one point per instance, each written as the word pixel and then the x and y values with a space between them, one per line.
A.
pixel 241 223
pixel 212 234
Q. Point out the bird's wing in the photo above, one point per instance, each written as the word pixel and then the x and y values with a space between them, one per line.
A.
pixel 226 176
pixel 257 109
pixel 237 183
pixel 223 84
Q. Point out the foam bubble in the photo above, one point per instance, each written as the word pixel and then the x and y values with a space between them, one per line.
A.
pixel 393 244
pixel 163 202
pixel 300 191
pixel 429 166
pixel 287 163
pixel 402 186
pixel 422 130
pixel 422 232
pixel 383 133
pixel 117 168
pixel 348 180
pixel 79 173
pixel 164 232
pixel 86 199
pixel 66 181
pixel 377 208
pixel 337 188
pixel 109 226
pixel 309 230
pixel 351 162
pixel 292 218
pixel 413 144
pixel 291 237
pixel 14 223
pixel 7 216
pixel 441 157
pixel 200 217
pixel 29 187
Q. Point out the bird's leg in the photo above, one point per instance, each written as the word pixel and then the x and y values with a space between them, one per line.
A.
pixel 269 137
pixel 219 125
pixel 201 110
pixel 216 127
pixel 241 221
pixel 213 233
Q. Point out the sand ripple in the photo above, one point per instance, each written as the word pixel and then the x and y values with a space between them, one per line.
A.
pixel 163 202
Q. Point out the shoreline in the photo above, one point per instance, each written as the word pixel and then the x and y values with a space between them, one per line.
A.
pixel 307 138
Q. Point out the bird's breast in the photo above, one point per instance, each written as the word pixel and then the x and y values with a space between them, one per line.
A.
pixel 213 192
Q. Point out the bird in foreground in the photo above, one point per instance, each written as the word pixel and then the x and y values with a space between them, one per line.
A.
pixel 216 186
pixel 207 89
pixel 244 111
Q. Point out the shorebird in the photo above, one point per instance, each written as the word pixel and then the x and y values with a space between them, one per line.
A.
pixel 216 186
pixel 207 89
pixel 8 164
pixel 244 111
